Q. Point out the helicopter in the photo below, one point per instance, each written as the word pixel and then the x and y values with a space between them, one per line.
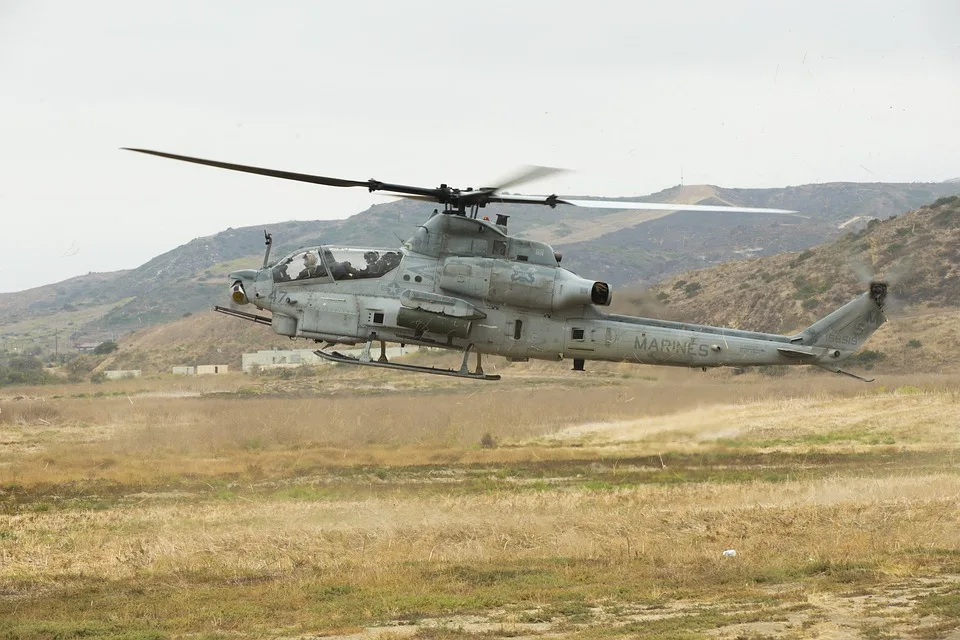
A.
pixel 462 282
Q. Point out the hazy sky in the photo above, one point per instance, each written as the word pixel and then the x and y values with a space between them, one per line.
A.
pixel 740 94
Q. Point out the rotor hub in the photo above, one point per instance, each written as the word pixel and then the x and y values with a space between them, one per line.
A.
pixel 878 292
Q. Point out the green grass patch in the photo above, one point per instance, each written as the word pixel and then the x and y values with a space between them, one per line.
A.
pixel 732 463
pixel 942 605
pixel 859 436
pixel 74 630
pixel 308 599
pixel 302 492
pixel 685 626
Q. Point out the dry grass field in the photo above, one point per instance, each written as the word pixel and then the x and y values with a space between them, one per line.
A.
pixel 548 505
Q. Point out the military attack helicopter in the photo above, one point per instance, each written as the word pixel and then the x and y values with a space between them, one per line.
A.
pixel 462 282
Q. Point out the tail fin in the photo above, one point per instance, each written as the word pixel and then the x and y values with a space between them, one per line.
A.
pixel 846 329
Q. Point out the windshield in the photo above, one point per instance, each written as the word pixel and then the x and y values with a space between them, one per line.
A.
pixel 302 265
pixel 342 263
pixel 350 263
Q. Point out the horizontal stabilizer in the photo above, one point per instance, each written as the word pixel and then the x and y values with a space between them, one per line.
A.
pixel 793 352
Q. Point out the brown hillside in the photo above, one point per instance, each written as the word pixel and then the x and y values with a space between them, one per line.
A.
pixel 785 292
pixel 202 338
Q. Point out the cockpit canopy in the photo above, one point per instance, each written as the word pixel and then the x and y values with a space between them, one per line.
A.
pixel 338 263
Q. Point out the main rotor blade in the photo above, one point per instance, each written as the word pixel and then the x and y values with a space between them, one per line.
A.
pixel 446 195
pixel 552 201
pixel 526 174
pixel 273 173
pixel 627 204
pixel 372 185
pixel 670 206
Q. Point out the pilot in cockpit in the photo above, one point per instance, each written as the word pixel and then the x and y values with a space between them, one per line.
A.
pixel 309 266
pixel 373 267
pixel 339 270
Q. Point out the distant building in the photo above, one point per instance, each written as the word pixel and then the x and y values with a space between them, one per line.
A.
pixel 279 358
pixel 209 369
pixel 87 347
pixel 184 371
pixel 121 374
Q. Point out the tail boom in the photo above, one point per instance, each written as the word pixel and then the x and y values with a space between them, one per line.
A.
pixel 848 328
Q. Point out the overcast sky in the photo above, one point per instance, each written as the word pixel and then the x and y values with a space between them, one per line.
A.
pixel 740 94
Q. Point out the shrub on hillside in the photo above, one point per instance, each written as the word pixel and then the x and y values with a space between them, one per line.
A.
pixel 868 358
pixel 946 200
pixel 83 364
pixel 105 347
pixel 692 288
pixel 23 370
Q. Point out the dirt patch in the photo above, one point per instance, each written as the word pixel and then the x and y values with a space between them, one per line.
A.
pixel 885 612
pixel 160 495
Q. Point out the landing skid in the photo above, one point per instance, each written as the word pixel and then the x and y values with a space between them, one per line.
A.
pixel 365 361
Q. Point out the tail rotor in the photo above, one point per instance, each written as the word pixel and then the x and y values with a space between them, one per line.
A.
pixel 887 289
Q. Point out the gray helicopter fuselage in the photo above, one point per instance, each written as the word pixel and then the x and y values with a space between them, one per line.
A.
pixel 462 282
